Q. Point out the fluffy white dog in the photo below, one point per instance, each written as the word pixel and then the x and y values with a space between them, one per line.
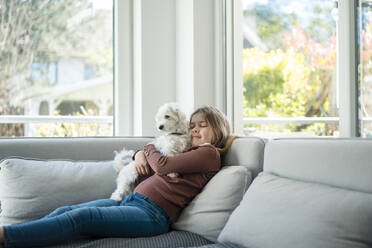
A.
pixel 174 139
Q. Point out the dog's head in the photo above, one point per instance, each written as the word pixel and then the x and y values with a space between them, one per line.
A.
pixel 170 119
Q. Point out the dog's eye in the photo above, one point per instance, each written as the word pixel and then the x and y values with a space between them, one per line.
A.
pixel 166 116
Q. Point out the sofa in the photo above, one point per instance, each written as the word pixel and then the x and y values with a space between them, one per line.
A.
pixel 299 192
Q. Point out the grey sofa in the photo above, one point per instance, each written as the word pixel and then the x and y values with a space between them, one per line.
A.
pixel 302 192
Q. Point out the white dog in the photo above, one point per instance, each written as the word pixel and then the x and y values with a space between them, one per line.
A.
pixel 175 139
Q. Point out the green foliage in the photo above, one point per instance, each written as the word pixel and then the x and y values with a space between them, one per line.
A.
pixel 72 129
pixel 273 20
pixel 260 86
pixel 270 24
pixel 278 83
pixel 281 84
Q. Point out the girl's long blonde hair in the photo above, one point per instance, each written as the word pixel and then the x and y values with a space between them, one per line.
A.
pixel 220 126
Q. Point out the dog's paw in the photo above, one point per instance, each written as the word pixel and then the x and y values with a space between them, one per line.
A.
pixel 173 175
pixel 116 196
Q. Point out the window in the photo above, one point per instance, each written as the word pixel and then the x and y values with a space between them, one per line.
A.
pixel 56 71
pixel 289 68
pixel 365 70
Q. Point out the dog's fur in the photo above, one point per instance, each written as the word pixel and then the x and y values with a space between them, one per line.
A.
pixel 175 139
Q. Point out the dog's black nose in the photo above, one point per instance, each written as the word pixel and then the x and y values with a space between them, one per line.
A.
pixel 161 127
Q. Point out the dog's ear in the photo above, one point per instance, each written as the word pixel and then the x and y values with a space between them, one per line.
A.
pixel 182 122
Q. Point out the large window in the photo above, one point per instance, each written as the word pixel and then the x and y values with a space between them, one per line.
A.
pixel 289 68
pixel 56 68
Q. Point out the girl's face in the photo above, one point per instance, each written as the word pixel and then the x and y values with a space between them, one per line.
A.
pixel 200 131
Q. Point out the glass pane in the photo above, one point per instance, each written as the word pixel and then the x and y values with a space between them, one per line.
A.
pixel 56 60
pixel 289 66
pixel 365 70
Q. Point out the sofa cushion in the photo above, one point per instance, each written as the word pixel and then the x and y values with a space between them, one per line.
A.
pixel 30 188
pixel 342 163
pixel 168 240
pixel 280 212
pixel 208 212
pixel 248 152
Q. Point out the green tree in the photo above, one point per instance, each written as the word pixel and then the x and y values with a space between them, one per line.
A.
pixel 261 85
pixel 271 24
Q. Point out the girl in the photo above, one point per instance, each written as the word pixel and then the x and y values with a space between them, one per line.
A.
pixel 155 203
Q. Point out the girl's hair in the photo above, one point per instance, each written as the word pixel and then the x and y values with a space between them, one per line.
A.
pixel 220 126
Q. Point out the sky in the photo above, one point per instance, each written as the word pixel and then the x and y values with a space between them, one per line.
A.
pixel 102 4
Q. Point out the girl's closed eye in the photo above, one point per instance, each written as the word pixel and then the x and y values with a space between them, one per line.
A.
pixel 203 124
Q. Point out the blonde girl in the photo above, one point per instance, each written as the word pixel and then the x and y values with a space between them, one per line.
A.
pixel 155 203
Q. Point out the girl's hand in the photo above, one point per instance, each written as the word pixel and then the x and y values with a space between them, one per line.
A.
pixel 141 165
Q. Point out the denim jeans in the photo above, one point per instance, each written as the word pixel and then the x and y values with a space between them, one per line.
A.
pixel 134 216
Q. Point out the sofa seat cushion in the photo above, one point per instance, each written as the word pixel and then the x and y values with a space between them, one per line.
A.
pixel 281 212
pixel 31 188
pixel 168 240
pixel 219 245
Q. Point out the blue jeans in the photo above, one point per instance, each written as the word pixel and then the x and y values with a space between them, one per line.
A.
pixel 135 216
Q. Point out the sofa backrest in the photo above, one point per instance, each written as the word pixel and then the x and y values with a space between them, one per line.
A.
pixel 344 163
pixel 246 151
pixel 312 193
pixel 87 148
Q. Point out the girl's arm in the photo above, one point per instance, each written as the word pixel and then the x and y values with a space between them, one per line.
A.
pixel 201 160
pixel 141 165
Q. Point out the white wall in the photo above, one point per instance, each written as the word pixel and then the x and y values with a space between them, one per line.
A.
pixel 158 59
pixel 204 59
pixel 185 54
pixel 173 56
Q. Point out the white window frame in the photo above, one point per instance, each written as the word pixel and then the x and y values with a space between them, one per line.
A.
pixel 124 39
pixel 234 60
pixel 346 71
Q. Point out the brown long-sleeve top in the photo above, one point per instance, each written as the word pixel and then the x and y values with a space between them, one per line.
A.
pixel 195 166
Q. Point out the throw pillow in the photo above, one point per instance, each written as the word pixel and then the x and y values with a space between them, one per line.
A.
pixel 280 212
pixel 31 188
pixel 209 211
